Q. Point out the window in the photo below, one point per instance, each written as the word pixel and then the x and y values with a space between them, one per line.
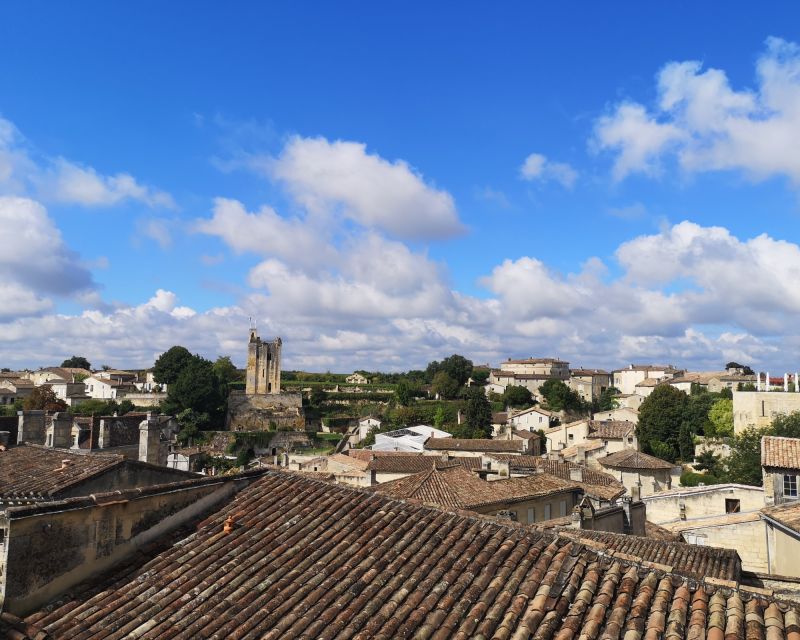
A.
pixel 547 512
pixel 531 514
pixel 562 508
pixel 571 436
pixel 790 486
pixel 732 506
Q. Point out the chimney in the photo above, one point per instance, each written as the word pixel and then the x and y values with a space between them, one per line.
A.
pixel 31 427
pixel 636 493
pixel 576 518
pixel 150 440
pixel 62 430
pixel 626 507
pixel 576 474
pixel 228 527
pixel 66 463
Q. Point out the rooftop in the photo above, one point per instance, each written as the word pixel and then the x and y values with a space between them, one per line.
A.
pixel 473 444
pixel 456 488
pixel 610 429
pixel 309 559
pixel 630 459
pixel 780 452
pixel 786 514
pixel 34 470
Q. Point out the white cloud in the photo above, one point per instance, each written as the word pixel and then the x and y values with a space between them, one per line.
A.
pixel 341 177
pixel 23 171
pixel 708 125
pixel 34 254
pixel 156 229
pixel 538 167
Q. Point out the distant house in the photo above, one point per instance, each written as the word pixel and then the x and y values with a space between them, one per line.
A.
pixel 73 393
pixel 530 499
pixel 641 474
pixel 626 380
pixel 50 374
pixel 780 468
pixel 107 388
pixel 12 389
pixel 589 384
pixel 366 425
pixel 531 419
pixel 626 414
pixel 357 378
pixel 408 438
pixel 476 447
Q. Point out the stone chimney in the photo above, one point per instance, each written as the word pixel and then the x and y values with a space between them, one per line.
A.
pixel 150 440
pixel 575 523
pixel 104 433
pixel 626 507
pixel 576 474
pixel 31 427
pixel 62 430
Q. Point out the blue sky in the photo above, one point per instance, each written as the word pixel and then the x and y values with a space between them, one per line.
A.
pixel 585 181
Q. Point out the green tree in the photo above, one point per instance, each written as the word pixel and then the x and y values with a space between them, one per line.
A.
pixel 516 396
pixel 226 371
pixel 661 426
pixel 77 362
pixel 480 374
pixel 44 398
pixel 95 407
pixel 196 387
pixel 445 386
pixel 707 461
pixel 478 414
pixel 786 425
pixel 743 466
pixel 440 417
pixel 560 397
pixel 403 393
pixel 745 369
pixel 125 406
pixel 608 399
pixel 455 366
pixel 170 364
pixel 190 422
pixel 721 418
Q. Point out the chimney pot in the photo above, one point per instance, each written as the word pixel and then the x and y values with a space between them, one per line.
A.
pixel 229 522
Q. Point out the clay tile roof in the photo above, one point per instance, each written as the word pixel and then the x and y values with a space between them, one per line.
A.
pixel 780 452
pixel 30 470
pixel 457 488
pixel 355 463
pixel 610 429
pixel 307 559
pixel 472 444
pixel 630 459
pixel 786 514
pixel 417 462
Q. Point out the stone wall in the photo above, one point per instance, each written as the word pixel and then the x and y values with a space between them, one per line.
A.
pixel 259 412
pixel 747 538
pixel 51 547
pixel 701 502
pixel 759 408
pixel 128 475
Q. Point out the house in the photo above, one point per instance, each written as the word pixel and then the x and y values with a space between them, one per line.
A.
pixel 366 425
pixel 476 447
pixel 629 400
pixel 529 499
pixel 615 435
pixel 547 367
pixel 780 468
pixel 73 393
pixel 145 382
pixel 601 487
pixel 626 380
pixel 704 380
pixel 690 503
pixel 107 388
pixel 186 458
pixel 117 374
pixel 410 439
pixel 33 473
pixel 385 467
pixel 589 384
pixel 290 557
pixel 345 469
pixel 65 374
pixel 626 414
pixel 782 524
pixel 357 378
pixel 757 409
pixel 500 380
pixel 639 471
pixel 646 386
pixel 532 439
pixel 531 419
pixel 12 389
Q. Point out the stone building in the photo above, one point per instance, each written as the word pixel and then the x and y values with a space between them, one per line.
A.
pixel 758 409
pixel 780 468
pixel 262 406
pixel 263 365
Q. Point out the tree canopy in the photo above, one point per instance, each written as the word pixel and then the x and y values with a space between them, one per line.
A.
pixel 170 364
pixel 662 422
pixel 455 366
pixel 44 398
pixel 445 385
pixel 560 397
pixel 516 396
pixel 77 362
pixel 477 415
pixel 720 417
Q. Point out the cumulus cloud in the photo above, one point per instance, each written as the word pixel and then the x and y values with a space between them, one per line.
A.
pixel 24 171
pixel 342 177
pixel 34 254
pixel 706 125
pixel 538 168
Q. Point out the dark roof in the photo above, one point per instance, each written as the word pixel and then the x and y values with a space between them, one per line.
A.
pixel 610 429
pixel 472 444
pixel 456 488
pixel 314 560
pixel 30 470
pixel 403 464
pixel 630 459
pixel 780 452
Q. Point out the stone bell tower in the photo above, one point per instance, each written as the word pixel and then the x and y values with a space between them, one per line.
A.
pixel 263 366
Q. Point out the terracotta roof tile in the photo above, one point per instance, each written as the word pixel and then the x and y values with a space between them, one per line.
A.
pixel 786 514
pixel 780 452
pixel 630 459
pixel 611 429
pixel 473 444
pixel 308 559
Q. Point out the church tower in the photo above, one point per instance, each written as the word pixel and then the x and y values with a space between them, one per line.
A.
pixel 263 365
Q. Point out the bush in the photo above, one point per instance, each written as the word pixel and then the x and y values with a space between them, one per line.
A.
pixel 692 479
